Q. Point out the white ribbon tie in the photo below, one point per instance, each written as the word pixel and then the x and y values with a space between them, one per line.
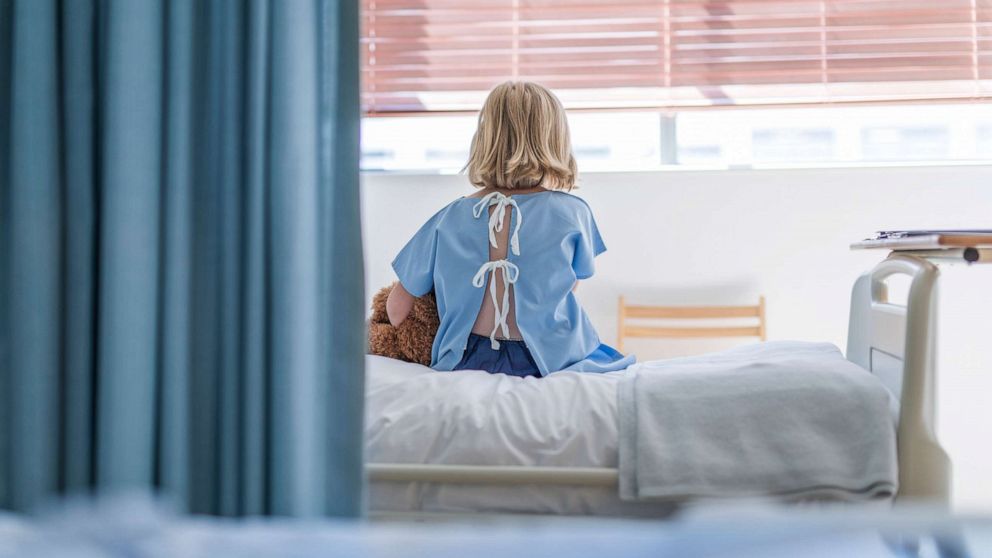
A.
pixel 510 271
pixel 498 215
pixel 510 274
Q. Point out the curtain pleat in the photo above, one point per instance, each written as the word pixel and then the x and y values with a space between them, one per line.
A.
pixel 6 34
pixel 34 252
pixel 130 192
pixel 174 426
pixel 205 323
pixel 78 123
pixel 180 276
pixel 255 331
pixel 343 317
pixel 297 486
pixel 230 158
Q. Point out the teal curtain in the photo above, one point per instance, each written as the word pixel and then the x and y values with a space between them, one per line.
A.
pixel 181 302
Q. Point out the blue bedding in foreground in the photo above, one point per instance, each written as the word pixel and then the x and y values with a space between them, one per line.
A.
pixel 136 528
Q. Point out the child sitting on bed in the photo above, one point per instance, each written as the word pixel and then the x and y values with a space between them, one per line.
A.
pixel 504 262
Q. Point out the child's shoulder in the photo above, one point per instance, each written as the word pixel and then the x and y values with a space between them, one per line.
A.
pixel 569 199
pixel 449 211
pixel 570 205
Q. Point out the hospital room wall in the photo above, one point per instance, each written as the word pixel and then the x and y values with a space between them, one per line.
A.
pixel 720 237
pixel 725 237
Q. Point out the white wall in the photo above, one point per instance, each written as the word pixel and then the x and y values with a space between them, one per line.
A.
pixel 724 237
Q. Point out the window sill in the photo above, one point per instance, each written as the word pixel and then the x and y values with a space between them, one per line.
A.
pixel 726 168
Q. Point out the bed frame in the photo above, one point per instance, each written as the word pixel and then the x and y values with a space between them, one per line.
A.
pixel 897 343
pixel 893 341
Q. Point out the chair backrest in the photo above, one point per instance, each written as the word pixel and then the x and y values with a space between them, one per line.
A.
pixel 626 312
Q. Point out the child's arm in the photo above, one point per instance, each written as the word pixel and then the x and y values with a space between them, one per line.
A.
pixel 399 304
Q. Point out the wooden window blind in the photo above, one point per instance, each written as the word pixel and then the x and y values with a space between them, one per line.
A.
pixel 444 55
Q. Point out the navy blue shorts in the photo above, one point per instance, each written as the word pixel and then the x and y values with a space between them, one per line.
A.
pixel 511 358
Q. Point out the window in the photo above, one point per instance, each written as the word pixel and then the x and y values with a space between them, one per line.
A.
pixel 792 143
pixel 444 55
pixel 836 135
pixel 905 143
pixel 710 139
pixel 713 84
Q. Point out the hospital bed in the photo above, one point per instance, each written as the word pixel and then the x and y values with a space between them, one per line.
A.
pixel 894 341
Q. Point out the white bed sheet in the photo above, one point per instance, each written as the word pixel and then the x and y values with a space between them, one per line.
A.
pixel 568 419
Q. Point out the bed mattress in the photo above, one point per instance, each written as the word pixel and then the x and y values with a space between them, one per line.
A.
pixel 568 419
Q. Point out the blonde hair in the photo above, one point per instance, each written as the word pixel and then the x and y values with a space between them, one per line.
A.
pixel 522 140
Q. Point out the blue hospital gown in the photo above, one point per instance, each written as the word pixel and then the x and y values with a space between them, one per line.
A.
pixel 553 242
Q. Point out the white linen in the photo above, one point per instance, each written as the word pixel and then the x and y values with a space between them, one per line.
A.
pixel 786 418
pixel 566 419
pixel 417 415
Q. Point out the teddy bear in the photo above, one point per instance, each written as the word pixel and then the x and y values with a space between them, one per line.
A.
pixel 410 341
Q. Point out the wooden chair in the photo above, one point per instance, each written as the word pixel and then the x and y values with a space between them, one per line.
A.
pixel 629 311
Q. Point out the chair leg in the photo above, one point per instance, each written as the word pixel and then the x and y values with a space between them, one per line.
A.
pixel 761 317
pixel 621 318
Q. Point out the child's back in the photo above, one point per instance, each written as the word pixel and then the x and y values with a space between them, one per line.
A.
pixel 504 262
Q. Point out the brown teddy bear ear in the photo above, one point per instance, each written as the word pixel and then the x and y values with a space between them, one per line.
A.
pixel 379 315
pixel 383 342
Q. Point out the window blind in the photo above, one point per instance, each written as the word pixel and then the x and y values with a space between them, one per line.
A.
pixel 444 55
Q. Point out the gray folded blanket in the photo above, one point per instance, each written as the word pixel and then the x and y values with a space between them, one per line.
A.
pixel 786 418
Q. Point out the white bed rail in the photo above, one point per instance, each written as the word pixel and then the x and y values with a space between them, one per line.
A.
pixel 492 474
pixel 884 334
